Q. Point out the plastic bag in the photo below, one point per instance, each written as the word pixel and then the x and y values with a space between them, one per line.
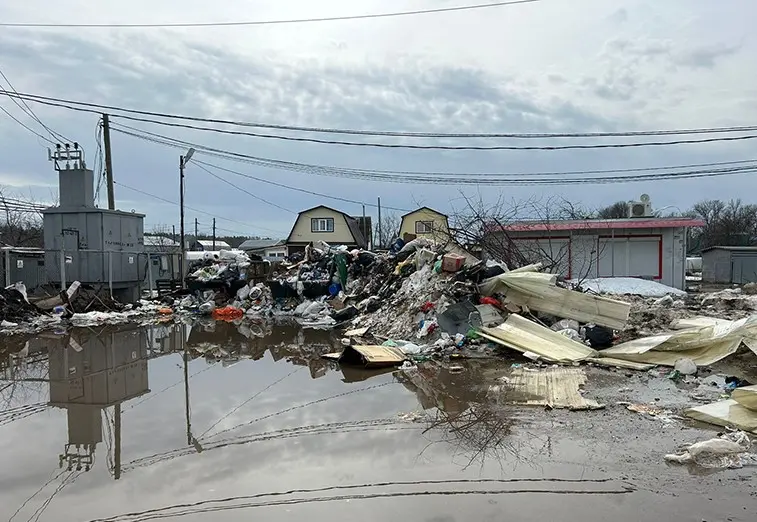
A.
pixel 729 450
pixel 227 313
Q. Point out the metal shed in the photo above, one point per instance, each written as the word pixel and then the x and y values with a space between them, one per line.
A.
pixel 729 264
pixel 25 265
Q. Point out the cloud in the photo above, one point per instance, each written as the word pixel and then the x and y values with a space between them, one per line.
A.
pixel 705 57
pixel 621 66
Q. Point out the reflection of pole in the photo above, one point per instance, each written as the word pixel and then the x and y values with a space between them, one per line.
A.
pixel 117 443
pixel 186 391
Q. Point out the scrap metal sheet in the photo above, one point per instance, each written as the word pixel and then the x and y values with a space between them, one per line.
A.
pixel 725 413
pixel 746 396
pixel 538 291
pixel 525 336
pixel 553 387
pixel 704 346
pixel 699 321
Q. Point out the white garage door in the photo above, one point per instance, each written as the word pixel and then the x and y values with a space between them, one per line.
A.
pixel 630 257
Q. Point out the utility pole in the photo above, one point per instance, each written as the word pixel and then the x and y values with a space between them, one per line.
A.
pixel 108 162
pixel 380 231
pixel 182 162
pixel 365 234
pixel 196 223
pixel 173 235
pixel 214 234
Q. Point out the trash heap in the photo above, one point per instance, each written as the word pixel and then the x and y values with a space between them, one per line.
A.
pixel 15 307
pixel 223 269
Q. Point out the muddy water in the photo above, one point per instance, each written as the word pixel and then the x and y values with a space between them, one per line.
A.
pixel 218 422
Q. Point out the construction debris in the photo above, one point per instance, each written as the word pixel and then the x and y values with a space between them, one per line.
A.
pixel 538 291
pixel 725 413
pixel 525 336
pixel 551 387
pixel 704 346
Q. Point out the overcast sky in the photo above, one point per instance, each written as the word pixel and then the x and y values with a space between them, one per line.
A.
pixel 549 66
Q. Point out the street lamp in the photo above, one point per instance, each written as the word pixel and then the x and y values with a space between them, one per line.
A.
pixel 183 160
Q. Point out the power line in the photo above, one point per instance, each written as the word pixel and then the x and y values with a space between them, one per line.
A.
pixel 28 110
pixel 177 143
pixel 138 191
pixel 58 102
pixel 270 22
pixel 26 126
pixel 171 142
pixel 440 147
pixel 383 176
pixel 245 190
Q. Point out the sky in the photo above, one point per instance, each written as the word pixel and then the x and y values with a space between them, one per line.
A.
pixel 547 66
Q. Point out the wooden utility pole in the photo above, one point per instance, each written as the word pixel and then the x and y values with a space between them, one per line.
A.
pixel 108 162
pixel 196 233
pixel 380 231
pixel 214 234
pixel 181 226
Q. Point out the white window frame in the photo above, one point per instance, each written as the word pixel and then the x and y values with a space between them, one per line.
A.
pixel 321 225
pixel 426 226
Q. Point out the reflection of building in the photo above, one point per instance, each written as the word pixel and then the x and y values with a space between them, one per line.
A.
pixel 90 373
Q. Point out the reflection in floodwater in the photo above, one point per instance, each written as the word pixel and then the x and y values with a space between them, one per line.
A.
pixel 459 412
pixel 96 375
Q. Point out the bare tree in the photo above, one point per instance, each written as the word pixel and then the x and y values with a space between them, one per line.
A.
pixel 617 210
pixel 20 221
pixel 388 229
pixel 163 239
pixel 726 224
pixel 478 225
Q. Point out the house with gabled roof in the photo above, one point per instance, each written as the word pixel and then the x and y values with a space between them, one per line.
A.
pixel 327 224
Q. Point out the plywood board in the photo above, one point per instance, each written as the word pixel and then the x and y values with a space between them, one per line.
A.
pixel 372 356
pixel 725 413
pixel 553 387
pixel 524 336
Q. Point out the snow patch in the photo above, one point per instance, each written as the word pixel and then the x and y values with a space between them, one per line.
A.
pixel 628 285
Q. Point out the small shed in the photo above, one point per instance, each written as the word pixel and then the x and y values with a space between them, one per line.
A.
pixel 26 265
pixel 729 264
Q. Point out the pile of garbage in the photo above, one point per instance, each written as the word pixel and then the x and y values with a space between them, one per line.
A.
pixel 14 306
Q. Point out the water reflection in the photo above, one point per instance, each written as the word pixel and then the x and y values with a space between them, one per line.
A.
pixel 95 375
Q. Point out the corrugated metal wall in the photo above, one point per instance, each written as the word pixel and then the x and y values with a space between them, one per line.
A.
pixel 743 267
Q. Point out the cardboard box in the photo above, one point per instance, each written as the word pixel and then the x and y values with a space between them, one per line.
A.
pixel 452 262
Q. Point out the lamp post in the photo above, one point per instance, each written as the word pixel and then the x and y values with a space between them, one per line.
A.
pixel 183 160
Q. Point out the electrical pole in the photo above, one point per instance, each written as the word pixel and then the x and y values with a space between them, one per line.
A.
pixel 196 234
pixel 173 236
pixel 108 162
pixel 183 160
pixel 181 225
pixel 365 234
pixel 214 234
pixel 380 231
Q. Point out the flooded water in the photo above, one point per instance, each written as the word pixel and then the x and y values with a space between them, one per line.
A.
pixel 219 422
